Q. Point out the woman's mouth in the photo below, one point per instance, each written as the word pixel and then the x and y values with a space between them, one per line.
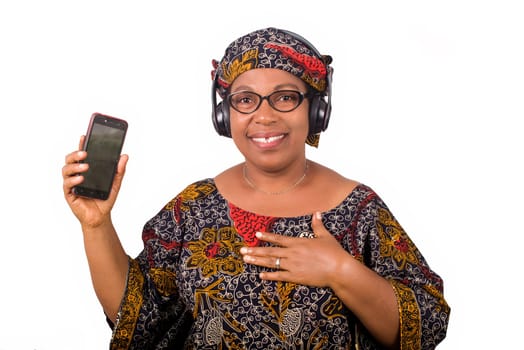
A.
pixel 267 140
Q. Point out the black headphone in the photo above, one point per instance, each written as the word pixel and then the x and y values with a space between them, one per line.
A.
pixel 319 103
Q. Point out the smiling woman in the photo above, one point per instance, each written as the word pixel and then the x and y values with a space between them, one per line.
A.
pixel 271 138
pixel 277 251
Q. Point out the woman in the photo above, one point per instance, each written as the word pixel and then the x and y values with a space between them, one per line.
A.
pixel 278 252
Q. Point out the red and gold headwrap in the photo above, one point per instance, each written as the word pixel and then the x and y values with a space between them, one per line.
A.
pixel 273 48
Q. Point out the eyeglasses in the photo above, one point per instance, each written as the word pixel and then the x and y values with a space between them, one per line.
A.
pixel 247 102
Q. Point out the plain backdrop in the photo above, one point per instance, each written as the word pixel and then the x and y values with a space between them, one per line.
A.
pixel 427 103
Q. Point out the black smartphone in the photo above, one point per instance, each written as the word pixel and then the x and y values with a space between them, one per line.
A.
pixel 103 144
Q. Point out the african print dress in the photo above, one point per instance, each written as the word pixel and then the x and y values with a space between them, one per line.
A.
pixel 190 289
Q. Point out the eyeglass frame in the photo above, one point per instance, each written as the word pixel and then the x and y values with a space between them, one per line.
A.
pixel 301 95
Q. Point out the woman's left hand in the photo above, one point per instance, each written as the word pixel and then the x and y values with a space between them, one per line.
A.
pixel 306 261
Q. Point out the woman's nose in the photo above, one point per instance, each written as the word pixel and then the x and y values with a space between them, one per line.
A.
pixel 265 114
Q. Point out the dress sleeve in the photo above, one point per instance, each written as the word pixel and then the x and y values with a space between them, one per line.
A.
pixel 388 250
pixel 151 312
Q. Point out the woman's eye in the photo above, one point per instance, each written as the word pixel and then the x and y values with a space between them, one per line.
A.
pixel 286 97
pixel 243 99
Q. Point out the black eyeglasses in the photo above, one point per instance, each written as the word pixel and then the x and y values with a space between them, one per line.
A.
pixel 282 100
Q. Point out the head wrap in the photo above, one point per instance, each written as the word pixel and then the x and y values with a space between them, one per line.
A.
pixel 273 48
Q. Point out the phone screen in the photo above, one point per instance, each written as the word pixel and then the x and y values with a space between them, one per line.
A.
pixel 103 146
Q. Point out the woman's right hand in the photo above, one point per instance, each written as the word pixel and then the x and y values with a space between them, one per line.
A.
pixel 90 212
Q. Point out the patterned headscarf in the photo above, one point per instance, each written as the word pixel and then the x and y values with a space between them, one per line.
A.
pixel 273 48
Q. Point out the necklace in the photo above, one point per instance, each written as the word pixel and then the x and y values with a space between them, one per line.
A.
pixel 253 186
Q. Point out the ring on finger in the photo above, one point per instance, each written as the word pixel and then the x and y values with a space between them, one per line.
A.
pixel 277 263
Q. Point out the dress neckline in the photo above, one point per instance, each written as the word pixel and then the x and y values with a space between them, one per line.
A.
pixel 352 193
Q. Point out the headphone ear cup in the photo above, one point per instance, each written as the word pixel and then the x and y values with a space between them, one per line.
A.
pixel 319 111
pixel 221 119
pixel 219 113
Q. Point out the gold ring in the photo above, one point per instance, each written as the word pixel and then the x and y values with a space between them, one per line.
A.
pixel 277 263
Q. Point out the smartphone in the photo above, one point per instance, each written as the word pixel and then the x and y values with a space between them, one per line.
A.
pixel 103 144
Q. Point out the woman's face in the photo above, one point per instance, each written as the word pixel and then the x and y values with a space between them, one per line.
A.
pixel 266 136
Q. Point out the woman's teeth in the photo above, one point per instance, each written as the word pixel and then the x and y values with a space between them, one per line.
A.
pixel 267 139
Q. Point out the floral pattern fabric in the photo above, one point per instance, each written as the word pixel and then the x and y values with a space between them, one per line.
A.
pixel 190 289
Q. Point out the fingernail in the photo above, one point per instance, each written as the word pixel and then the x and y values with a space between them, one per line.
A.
pixel 258 234
pixel 243 250
pixel 318 215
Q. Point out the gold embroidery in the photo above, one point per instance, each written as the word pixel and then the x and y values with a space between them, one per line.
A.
pixel 317 341
pixel 284 290
pixel 276 308
pixel 333 308
pixel 164 280
pixel 313 140
pixel 129 310
pixel 216 251
pixel 319 84
pixel 240 65
pixel 395 243
pixel 441 305
pixel 410 324
pixel 210 292
pixel 288 319
pixel 232 341
pixel 191 192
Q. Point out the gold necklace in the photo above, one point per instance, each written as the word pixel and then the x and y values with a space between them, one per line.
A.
pixel 253 186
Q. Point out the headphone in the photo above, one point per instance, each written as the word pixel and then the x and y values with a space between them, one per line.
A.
pixel 319 103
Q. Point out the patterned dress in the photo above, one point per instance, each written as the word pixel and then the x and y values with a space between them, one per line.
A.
pixel 190 289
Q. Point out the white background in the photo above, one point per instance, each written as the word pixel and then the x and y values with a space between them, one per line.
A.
pixel 426 102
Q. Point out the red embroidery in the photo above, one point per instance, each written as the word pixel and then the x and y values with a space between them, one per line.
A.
pixel 150 234
pixel 314 66
pixel 247 224
pixel 401 245
pixel 212 250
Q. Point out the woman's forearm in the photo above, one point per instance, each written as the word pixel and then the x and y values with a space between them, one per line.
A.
pixel 371 298
pixel 108 265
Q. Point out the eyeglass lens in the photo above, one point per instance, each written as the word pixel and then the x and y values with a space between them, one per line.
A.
pixel 282 100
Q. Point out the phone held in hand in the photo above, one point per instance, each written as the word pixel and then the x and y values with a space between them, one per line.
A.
pixel 103 144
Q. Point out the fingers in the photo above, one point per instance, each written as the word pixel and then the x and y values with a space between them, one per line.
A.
pixel 72 169
pixel 72 164
pixel 287 258
pixel 280 241
pixel 272 262
pixel 264 256
pixel 276 264
pixel 122 163
pixel 81 142
pixel 277 240
pixel 273 257
pixel 72 161
pixel 75 156
pixel 317 225
pixel 120 172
